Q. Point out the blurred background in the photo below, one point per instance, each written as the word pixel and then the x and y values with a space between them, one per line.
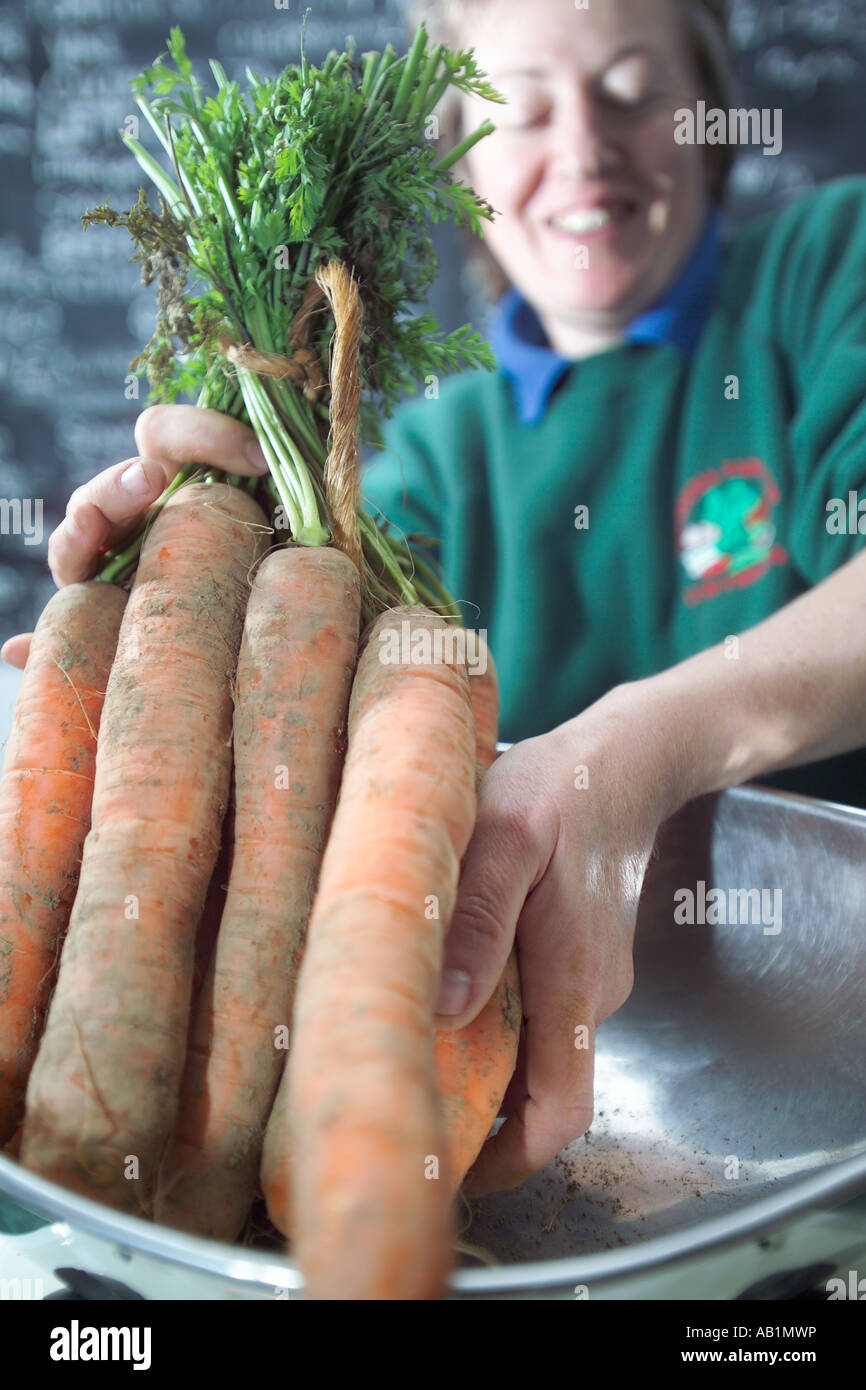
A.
pixel 72 309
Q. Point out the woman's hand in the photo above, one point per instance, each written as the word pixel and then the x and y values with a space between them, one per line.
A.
pixel 561 863
pixel 108 507
pixel 565 829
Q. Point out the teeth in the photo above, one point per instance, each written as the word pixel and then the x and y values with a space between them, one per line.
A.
pixel 588 219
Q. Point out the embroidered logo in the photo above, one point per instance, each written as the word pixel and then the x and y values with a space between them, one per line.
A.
pixel 725 531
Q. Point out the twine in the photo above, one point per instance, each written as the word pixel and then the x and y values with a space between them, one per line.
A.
pixel 343 465
pixel 342 477
pixel 303 367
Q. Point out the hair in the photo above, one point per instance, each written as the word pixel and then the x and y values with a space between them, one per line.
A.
pixel 711 52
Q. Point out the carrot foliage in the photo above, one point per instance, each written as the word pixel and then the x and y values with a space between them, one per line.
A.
pixel 338 162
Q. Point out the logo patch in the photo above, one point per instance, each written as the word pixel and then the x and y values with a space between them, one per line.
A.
pixel 726 536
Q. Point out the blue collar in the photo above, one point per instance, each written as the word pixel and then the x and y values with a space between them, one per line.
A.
pixel 534 368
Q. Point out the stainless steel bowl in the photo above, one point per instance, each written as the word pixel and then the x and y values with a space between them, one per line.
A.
pixel 729 1145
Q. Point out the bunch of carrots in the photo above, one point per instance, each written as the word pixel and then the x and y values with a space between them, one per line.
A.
pixel 231 825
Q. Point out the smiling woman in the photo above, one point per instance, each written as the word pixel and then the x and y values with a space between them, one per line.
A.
pixel 626 71
pixel 691 391
pixel 694 393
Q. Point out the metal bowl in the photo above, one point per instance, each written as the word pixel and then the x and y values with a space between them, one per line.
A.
pixel 730 1109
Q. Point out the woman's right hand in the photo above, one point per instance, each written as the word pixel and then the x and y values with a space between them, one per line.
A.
pixel 108 507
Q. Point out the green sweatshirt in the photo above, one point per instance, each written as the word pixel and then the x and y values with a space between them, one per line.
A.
pixel 664 501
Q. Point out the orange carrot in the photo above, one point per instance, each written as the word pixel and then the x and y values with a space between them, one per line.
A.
pixel 484 688
pixel 275 1176
pixel 45 797
pixel 297 660
pixel 473 1066
pixel 370 1183
pixel 104 1087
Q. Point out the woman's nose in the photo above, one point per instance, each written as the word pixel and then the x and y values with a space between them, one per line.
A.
pixel 583 145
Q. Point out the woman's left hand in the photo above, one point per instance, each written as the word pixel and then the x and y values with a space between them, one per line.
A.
pixel 566 825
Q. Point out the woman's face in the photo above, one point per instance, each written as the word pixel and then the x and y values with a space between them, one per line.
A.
pixel 584 155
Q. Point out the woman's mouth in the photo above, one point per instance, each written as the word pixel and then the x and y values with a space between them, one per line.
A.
pixel 593 221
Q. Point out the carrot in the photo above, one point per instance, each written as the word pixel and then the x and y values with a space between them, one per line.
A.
pixel 472 1066
pixel 297 660
pixel 45 796
pixel 104 1087
pixel 484 688
pixel 370 1183
pixel 275 1175
pixel 475 1064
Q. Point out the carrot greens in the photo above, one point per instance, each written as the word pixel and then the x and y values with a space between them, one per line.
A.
pixel 317 165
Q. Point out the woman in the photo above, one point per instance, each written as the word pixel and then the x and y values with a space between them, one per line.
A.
pixel 636 502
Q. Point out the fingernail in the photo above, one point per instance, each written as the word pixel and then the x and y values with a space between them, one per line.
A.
pixel 74 524
pixel 454 990
pixel 255 457
pixel 134 479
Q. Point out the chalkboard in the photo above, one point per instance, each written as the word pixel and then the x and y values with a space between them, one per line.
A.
pixel 72 310
pixel 808 58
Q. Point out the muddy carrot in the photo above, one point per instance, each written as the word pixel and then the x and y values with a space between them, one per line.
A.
pixel 484 688
pixel 370 1187
pixel 475 1064
pixel 472 1066
pixel 45 796
pixel 297 660
pixel 103 1091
